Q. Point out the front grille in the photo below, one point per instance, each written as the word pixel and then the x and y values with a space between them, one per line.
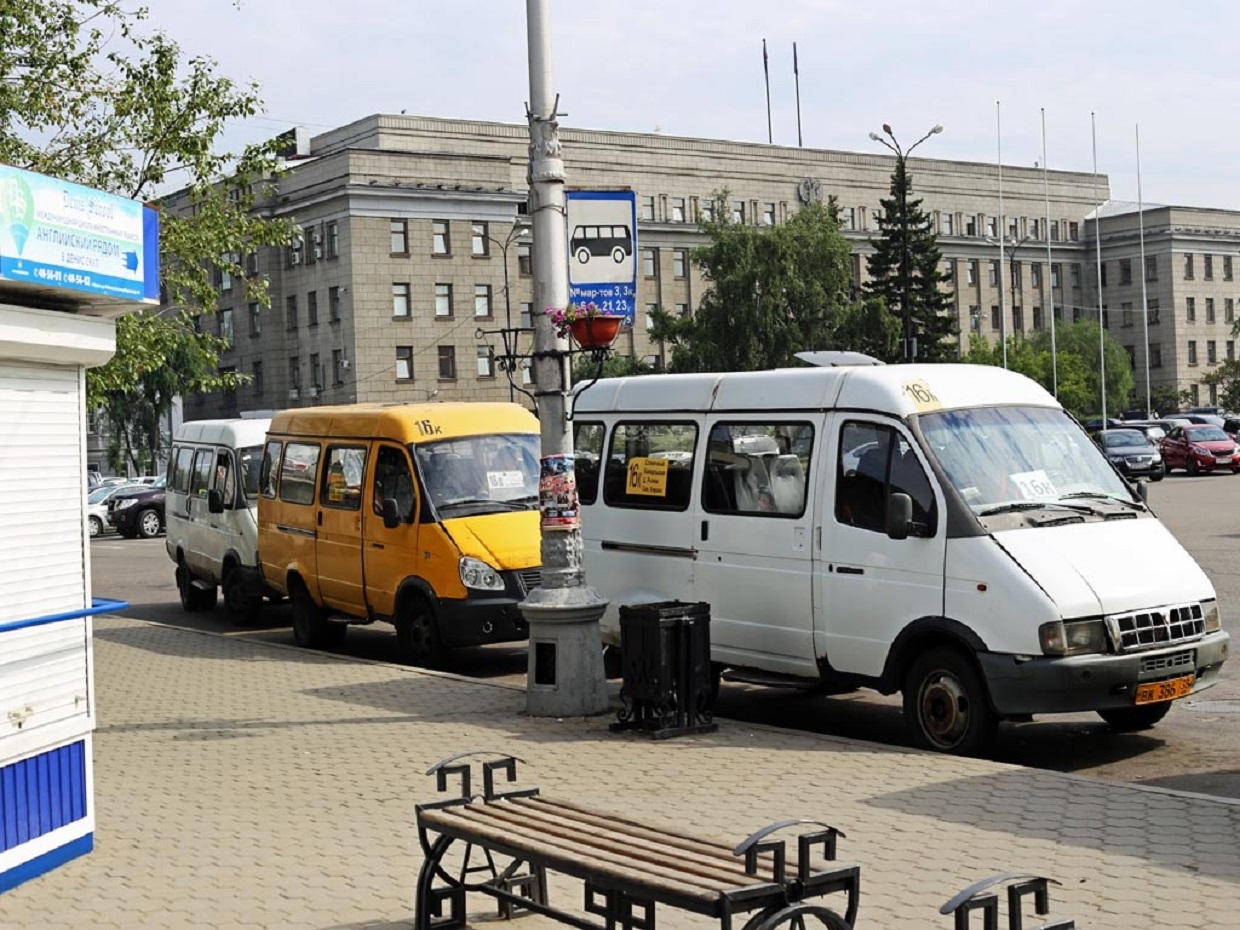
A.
pixel 1152 629
pixel 1140 459
pixel 1164 665
pixel 530 578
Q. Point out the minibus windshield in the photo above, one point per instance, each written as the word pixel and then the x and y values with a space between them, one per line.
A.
pixel 1002 458
pixel 480 474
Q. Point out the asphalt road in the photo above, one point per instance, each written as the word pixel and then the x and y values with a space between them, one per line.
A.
pixel 1196 748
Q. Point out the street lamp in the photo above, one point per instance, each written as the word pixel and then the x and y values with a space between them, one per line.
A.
pixel 902 155
pixel 514 234
pixel 1011 246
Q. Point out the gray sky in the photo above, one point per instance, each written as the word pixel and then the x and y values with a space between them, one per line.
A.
pixel 694 68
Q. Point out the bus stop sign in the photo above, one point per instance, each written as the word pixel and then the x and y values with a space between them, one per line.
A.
pixel 602 250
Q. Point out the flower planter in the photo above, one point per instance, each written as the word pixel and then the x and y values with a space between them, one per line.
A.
pixel 596 332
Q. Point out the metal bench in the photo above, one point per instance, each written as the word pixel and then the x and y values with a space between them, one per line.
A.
pixel 503 844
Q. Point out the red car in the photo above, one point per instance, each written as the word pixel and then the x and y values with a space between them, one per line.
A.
pixel 1199 448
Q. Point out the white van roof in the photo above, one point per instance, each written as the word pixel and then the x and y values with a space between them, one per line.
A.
pixel 899 390
pixel 235 434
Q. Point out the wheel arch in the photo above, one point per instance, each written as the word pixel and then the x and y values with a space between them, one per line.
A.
pixel 924 634
pixel 412 588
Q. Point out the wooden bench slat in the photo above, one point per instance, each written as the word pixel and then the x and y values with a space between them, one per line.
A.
pixel 641 848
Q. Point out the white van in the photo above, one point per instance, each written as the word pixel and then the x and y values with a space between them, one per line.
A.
pixel 947 531
pixel 211 513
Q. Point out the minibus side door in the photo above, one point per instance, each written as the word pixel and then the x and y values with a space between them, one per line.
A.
pixel 339 518
pixel 389 554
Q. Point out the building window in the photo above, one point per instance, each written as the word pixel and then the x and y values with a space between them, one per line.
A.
pixel 1229 310
pixel 1194 394
pixel 527 315
pixel 1074 232
pixel 1211 352
pixel 1014 267
pixel 1192 351
pixel 680 259
pixel 993 278
pixel 316 374
pixel 990 226
pixel 706 210
pixel 947 224
pixel 441 238
pixel 996 321
pixel 294 373
pixel 1076 314
pixel 949 270
pixel 1055 280
pixel 226 325
pixel 290 311
pixel 1213 394
pixel 1018 319
pixel 1151 268
pixel 482 300
pixel 1054 230
pixel 1152 307
pixel 257 381
pixel 971 273
pixel 1037 318
pixel 251 264
pixel 650 264
pixel 312 308
pixel 443 301
pixel 677 205
pixel 399 237
pixel 1156 355
pixel 223 277
pixel 646 210
pixel 1188 266
pixel 650 316
pixel 333 240
pixel 1191 309
pixel 486 362
pixel 1035 229
pixel 848 217
pixel 1231 350
pixel 1207 267
pixel 337 367
pixel 1035 274
pixel 1102 273
pixel 447 363
pixel 256 318
pixel 479 244
pixel 404 363
pixel 738 211
pixel 1226 267
pixel 682 309
pixel 333 304
pixel 1209 309
pixel 1076 274
pixel 524 264
pixel 400 300
pixel 975 318
pixel 1125 314
pixel 1125 271
pixel 768 214
pixel 1132 356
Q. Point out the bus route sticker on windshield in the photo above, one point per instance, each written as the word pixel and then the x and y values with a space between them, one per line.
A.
pixel 504 480
pixel 924 399
pixel 1035 485
pixel 648 476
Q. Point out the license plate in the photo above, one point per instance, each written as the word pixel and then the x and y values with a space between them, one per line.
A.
pixel 1155 691
pixel 1223 460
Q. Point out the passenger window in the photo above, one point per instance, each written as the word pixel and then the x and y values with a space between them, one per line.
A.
pixel 268 479
pixel 394 480
pixel 587 456
pixel 342 480
pixel 225 479
pixel 757 468
pixel 179 480
pixel 874 462
pixel 650 466
pixel 201 480
pixel 298 472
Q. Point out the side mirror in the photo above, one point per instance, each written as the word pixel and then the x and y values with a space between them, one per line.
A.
pixel 899 515
pixel 215 501
pixel 391 513
pixel 1143 491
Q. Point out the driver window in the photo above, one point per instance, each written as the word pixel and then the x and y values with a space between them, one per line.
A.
pixel 874 462
pixel 394 479
pixel 225 479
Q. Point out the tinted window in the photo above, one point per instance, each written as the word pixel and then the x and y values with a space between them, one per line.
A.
pixel 298 471
pixel 650 466
pixel 587 458
pixel 200 483
pixel 342 479
pixel 269 477
pixel 249 464
pixel 757 468
pixel 179 479
pixel 874 462
pixel 394 480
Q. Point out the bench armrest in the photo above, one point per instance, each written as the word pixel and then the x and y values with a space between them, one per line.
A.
pixel 451 766
pixel 756 844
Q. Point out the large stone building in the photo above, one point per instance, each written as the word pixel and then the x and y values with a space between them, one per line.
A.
pixel 410 223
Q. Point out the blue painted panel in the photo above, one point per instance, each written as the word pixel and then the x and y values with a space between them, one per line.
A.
pixel 46 862
pixel 42 794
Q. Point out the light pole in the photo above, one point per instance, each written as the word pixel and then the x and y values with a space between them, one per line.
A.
pixel 514 234
pixel 1011 246
pixel 910 351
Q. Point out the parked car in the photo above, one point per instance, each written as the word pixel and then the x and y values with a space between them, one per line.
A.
pixel 1231 426
pixel 1200 447
pixel 1152 430
pixel 1131 452
pixel 97 508
pixel 1203 419
pixel 138 511
pixel 1214 410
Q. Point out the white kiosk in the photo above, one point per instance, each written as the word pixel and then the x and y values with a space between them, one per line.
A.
pixel 71 260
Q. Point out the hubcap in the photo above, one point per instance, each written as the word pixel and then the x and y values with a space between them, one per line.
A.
pixel 944 709
pixel 94 527
pixel 150 524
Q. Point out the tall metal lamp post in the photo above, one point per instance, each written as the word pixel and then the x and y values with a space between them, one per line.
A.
pixel 910 350
pixel 1010 246
pixel 517 233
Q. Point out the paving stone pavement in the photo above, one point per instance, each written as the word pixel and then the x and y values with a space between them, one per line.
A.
pixel 242 785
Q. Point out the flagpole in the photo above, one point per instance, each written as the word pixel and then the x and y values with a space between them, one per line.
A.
pixel 1145 306
pixel 999 233
pixel 1050 277
pixel 796 72
pixel 766 70
pixel 1102 330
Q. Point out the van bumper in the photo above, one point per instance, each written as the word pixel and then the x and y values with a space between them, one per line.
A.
pixel 476 621
pixel 1046 685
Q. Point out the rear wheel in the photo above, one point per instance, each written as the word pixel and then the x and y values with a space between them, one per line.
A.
pixel 194 598
pixel 245 608
pixel 310 627
pixel 1132 719
pixel 946 706
pixel 418 635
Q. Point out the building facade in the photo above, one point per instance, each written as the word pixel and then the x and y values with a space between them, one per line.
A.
pixel 412 227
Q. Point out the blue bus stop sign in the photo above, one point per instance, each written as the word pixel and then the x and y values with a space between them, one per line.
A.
pixel 602 250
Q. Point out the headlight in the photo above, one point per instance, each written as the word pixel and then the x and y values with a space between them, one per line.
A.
pixel 480 576
pixel 1201 451
pixel 1213 618
pixel 127 502
pixel 1078 637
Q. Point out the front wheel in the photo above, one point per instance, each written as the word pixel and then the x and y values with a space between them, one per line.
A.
pixel 418 635
pixel 1132 719
pixel 618 255
pixel 1192 467
pixel 946 706
pixel 149 524
pixel 1157 476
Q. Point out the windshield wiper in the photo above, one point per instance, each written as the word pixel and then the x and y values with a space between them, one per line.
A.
pixel 483 501
pixel 1030 505
pixel 1102 496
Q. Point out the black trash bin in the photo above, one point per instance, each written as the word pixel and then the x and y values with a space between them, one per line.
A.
pixel 668 687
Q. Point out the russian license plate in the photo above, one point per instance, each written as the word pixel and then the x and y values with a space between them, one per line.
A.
pixel 1223 460
pixel 1156 691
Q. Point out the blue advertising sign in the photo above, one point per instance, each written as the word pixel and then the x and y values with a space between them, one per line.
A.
pixel 57 234
pixel 602 250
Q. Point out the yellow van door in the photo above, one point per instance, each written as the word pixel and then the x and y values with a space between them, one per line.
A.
pixel 390 553
pixel 339 547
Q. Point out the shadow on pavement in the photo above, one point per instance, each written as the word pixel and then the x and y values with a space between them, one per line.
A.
pixel 1216 784
pixel 1167 831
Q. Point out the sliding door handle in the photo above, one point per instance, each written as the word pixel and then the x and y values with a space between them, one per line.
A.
pixel 849 570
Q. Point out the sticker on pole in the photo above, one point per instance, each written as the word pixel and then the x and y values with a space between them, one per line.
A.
pixel 557 493
pixel 602 250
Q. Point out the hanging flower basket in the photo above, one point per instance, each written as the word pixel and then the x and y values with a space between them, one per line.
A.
pixel 596 332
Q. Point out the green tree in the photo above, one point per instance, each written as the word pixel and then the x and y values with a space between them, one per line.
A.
pixel 904 271
pixel 89 96
pixel 772 292
pixel 1226 377
pixel 614 366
